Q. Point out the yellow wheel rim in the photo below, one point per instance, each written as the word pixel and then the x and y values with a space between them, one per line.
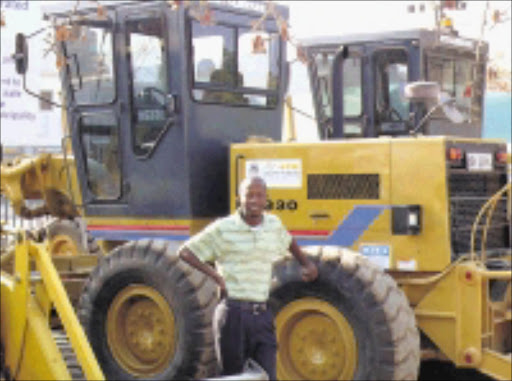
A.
pixel 316 342
pixel 141 331
pixel 63 245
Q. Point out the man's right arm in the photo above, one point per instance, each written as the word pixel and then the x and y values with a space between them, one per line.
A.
pixel 188 256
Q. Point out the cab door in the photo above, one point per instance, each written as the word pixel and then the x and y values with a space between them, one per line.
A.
pixel 153 140
pixel 94 110
pixel 390 65
pixel 130 151
pixel 341 111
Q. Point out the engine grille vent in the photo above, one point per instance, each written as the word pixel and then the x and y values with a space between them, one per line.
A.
pixel 476 184
pixel 468 193
pixel 343 187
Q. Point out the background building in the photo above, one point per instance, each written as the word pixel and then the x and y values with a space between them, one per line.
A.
pixel 27 121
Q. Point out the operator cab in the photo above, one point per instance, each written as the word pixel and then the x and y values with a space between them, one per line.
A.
pixel 371 73
pixel 156 93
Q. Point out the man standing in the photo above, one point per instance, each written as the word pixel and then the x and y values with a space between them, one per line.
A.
pixel 243 246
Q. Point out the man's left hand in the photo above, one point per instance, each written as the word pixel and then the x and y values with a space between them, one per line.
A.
pixel 309 272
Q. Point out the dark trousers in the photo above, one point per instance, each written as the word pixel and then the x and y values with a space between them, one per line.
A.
pixel 244 331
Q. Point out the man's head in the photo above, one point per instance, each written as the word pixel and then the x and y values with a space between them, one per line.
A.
pixel 253 198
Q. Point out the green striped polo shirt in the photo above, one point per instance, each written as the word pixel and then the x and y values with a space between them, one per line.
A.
pixel 243 255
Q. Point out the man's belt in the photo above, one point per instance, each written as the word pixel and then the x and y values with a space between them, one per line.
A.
pixel 247 305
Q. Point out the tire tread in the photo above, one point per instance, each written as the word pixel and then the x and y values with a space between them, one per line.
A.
pixel 376 296
pixel 195 355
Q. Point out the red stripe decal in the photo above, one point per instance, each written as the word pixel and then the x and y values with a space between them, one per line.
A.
pixel 139 227
pixel 319 233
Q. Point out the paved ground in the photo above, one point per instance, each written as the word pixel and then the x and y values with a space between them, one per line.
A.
pixel 441 371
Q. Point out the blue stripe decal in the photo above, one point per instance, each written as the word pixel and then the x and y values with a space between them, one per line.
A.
pixel 132 236
pixel 353 226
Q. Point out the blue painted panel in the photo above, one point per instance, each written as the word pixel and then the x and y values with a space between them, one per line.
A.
pixel 352 227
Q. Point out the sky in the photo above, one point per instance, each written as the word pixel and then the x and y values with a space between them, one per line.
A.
pixel 315 18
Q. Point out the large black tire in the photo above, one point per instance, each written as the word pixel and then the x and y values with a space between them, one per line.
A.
pixel 164 287
pixel 65 239
pixel 379 335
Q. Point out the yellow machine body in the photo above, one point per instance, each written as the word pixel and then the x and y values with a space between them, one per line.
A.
pixel 452 299
pixel 47 177
pixel 395 161
pixel 456 310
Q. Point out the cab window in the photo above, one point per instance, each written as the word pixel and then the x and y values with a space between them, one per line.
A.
pixel 352 93
pixel 323 63
pixel 391 76
pixel 149 90
pixel 90 63
pixel 456 79
pixel 352 96
pixel 229 67
pixel 99 134
pixel 322 86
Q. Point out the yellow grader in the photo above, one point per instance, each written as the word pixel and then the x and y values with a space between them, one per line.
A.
pixel 405 212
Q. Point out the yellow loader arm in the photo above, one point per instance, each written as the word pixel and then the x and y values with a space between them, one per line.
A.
pixel 51 178
pixel 31 349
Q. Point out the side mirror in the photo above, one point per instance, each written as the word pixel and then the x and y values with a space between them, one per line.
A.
pixel 21 54
pixel 430 94
pixel 422 92
pixel 20 57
